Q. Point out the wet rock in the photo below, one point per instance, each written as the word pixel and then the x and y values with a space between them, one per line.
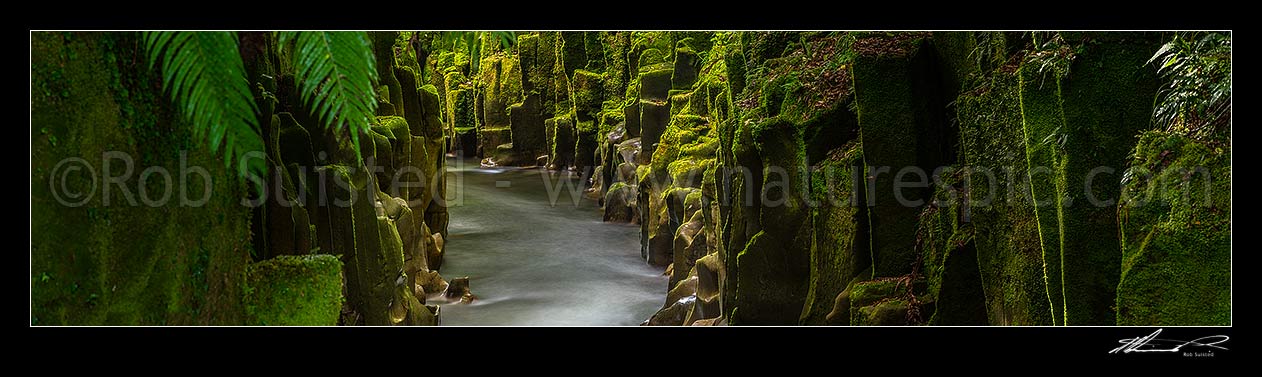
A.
pixel 431 283
pixel 415 255
pixel 705 322
pixel 458 288
pixel 683 260
pixel 433 250
pixel 620 204
pixel 840 315
pixel 407 310
pixel 708 273
pixel 654 117
pixel 674 314
pixel 702 309
pixel 685 288
pixel 595 191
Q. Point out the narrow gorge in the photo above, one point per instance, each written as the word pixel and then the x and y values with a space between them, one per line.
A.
pixel 678 178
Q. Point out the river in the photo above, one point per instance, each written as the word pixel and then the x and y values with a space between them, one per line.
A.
pixel 531 263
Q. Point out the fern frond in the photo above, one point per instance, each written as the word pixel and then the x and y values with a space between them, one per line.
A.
pixel 203 73
pixel 337 76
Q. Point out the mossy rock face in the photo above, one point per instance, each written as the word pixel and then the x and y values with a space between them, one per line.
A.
pixel 1008 252
pixel 432 125
pixel 901 124
pixel 1175 221
pixel 840 248
pixel 734 62
pixel 761 46
pixel 489 138
pixel 655 85
pixel 687 67
pixel 294 291
pixel 1081 127
pixel 620 203
pixel 528 129
pixel 540 69
pixel 654 118
pixel 650 57
pixel 460 105
pixel 412 109
pixel 561 155
pixel 585 148
pixel 382 43
pixel 588 93
pixel 495 97
pixel 594 47
pixel 948 254
pixel 120 263
pixel 767 291
pixel 295 143
pixel 631 115
pixel 573 51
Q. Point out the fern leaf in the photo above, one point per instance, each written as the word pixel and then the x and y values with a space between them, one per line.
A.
pixel 204 75
pixel 337 76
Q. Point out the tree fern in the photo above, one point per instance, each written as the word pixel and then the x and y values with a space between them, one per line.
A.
pixel 205 77
pixel 337 77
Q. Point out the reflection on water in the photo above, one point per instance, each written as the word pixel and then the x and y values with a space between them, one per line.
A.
pixel 531 263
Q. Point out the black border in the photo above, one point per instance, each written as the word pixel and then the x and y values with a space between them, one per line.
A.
pixel 534 15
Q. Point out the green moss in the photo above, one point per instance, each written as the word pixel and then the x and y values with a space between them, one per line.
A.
pixel 651 57
pixel 1175 222
pixel 687 172
pixel 294 291
pixel 865 293
pixel 382 42
pixel 897 123
pixel 655 84
pixel 588 95
pixel 121 263
pixel 594 47
pixel 1104 101
pixel 542 72
pixel 561 150
pixel 1010 258
pixel 683 131
pixel 460 107
pixel 573 51
pixel 687 66
pixel 884 313
pixel 618 71
pixel 734 61
pixel 839 249
pixel 945 235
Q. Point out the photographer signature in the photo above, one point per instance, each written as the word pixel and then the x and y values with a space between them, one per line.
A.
pixel 1151 343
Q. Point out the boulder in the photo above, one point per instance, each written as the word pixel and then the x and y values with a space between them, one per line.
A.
pixel 620 204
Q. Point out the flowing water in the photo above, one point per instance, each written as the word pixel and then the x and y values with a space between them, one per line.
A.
pixel 531 263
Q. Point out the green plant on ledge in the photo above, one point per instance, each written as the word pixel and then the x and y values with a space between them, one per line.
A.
pixel 1197 99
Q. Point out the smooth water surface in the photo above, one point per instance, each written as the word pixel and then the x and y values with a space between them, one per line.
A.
pixel 531 263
